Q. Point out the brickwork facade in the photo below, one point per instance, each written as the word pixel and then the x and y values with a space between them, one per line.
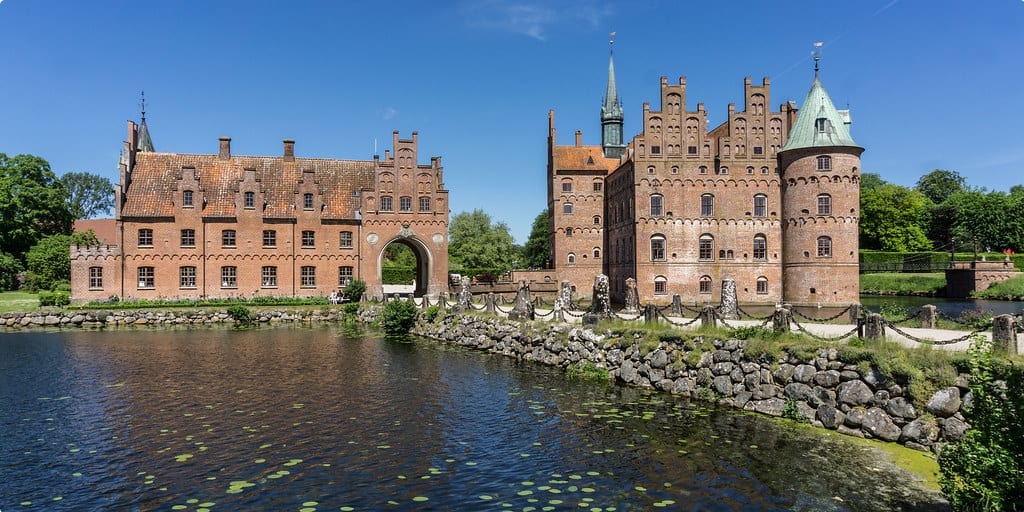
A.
pixel 199 226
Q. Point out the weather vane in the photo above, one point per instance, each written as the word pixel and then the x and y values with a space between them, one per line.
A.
pixel 142 104
pixel 817 55
pixel 611 40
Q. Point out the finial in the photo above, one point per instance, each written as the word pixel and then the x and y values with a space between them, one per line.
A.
pixel 611 42
pixel 817 56
pixel 142 104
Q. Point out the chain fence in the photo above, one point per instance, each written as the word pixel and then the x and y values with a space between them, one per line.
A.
pixel 752 317
pixel 926 341
pixel 797 313
pixel 823 338
pixel 664 317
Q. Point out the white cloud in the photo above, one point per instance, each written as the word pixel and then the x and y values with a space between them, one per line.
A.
pixel 533 18
pixel 390 113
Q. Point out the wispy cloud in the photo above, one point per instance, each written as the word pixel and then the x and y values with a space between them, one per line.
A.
pixel 533 18
pixel 390 113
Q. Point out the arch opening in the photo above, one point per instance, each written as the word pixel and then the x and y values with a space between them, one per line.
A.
pixel 404 267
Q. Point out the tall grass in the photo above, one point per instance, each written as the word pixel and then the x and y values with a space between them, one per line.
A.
pixel 903 284
pixel 1011 289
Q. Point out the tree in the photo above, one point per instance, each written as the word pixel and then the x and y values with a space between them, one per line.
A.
pixel 474 243
pixel 49 261
pixel 9 268
pixel 32 203
pixel 89 195
pixel 939 184
pixel 537 250
pixel 871 181
pixel 994 219
pixel 893 218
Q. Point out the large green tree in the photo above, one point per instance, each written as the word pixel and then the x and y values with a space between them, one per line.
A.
pixel 33 203
pixel 477 243
pixel 89 195
pixel 939 184
pixel 537 250
pixel 994 219
pixel 893 218
pixel 49 261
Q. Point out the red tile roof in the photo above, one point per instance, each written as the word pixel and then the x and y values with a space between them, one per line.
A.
pixel 105 229
pixel 583 158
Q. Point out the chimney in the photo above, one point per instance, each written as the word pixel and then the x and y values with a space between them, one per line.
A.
pixel 579 138
pixel 289 150
pixel 225 148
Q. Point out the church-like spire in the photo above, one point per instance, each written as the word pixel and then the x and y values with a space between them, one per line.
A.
pixel 611 111
pixel 819 123
pixel 145 142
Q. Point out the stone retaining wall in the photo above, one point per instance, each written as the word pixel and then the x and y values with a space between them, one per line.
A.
pixel 826 391
pixel 95 319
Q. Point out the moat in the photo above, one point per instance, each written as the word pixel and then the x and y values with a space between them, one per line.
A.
pixel 294 418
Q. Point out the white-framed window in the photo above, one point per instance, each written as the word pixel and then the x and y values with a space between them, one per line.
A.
pixel 566 186
pixel 269 238
pixel 824 163
pixel 707 205
pixel 145 237
pixel 228 238
pixel 706 247
pixel 657 205
pixel 705 284
pixel 186 198
pixel 658 248
pixel 268 277
pixel 760 205
pixel 345 239
pixel 424 204
pixel 571 259
pixel 308 239
pixel 95 278
pixel 147 277
pixel 385 204
pixel 660 285
pixel 824 247
pixel 567 208
pixel 762 285
pixel 345 277
pixel 307 201
pixel 187 277
pixel 760 248
pixel 307 276
pixel 824 204
pixel 188 238
pixel 249 200
pixel 229 277
pixel 405 204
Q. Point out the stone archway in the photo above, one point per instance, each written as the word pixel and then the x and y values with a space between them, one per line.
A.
pixel 423 268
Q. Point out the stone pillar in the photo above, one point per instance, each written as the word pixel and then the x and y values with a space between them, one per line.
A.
pixel 601 305
pixel 874 327
pixel 855 310
pixel 522 309
pixel 1004 334
pixel 442 301
pixel 424 303
pixel 632 305
pixel 677 305
pixel 650 314
pixel 707 317
pixel 928 315
pixel 730 310
pixel 489 303
pixel 465 297
pixel 781 319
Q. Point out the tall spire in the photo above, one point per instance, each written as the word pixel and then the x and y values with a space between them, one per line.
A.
pixel 145 142
pixel 611 110
pixel 818 122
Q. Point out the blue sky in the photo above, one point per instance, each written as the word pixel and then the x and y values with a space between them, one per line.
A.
pixel 931 84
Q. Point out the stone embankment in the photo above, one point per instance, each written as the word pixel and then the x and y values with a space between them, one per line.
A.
pixel 824 390
pixel 95 319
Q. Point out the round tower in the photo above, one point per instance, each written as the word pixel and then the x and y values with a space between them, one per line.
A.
pixel 820 174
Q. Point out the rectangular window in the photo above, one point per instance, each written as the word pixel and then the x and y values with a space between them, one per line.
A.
pixel 250 200
pixel 229 277
pixel 707 205
pixel 227 238
pixel 691 150
pixel 145 238
pixel 655 150
pixel 566 186
pixel 95 278
pixel 762 287
pixel 660 287
pixel 424 204
pixel 307 201
pixel 344 276
pixel 824 204
pixel 308 239
pixel 706 249
pixel 345 238
pixel 656 206
pixel 186 198
pixel 758 150
pixel 824 247
pixel 146 279
pixel 760 249
pixel 385 204
pixel 658 249
pixel 824 163
pixel 308 277
pixel 187 277
pixel 188 238
pixel 405 203
pixel 269 238
pixel 760 206
pixel 269 277
pixel 598 186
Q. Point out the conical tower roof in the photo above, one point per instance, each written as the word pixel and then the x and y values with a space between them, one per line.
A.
pixel 145 142
pixel 819 124
pixel 612 108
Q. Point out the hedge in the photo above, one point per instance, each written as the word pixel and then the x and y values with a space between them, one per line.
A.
pixel 931 258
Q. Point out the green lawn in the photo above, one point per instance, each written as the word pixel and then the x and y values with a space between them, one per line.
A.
pixel 18 301
pixel 903 284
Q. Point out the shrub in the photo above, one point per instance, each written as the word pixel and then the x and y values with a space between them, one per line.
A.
pixel 241 314
pixel 9 268
pixel 354 289
pixel 432 312
pixel 398 317
pixel 351 309
pixel 54 299
pixel 589 372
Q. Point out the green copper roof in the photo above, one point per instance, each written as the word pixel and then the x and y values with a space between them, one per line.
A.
pixel 612 108
pixel 145 142
pixel 818 123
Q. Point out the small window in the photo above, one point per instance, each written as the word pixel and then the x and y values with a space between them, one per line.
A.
pixel 385 204
pixel 268 277
pixel 567 186
pixel 188 238
pixel 660 285
pixel 821 125
pixel 187 277
pixel 824 247
pixel 186 198
pixel 703 169
pixel 424 204
pixel 762 285
pixel 345 277
pixel 657 248
pixel 345 239
pixel 568 232
pixel 307 277
pixel 307 201
pixel 655 150
pixel 750 170
pixel 706 248
pixel 229 277
pixel 571 259
pixel 269 238
pixel 724 170
pixel 95 278
pixel 824 163
pixel 597 220
pixel 250 200
pixel 405 203
pixel 675 169
pixel 760 248
pixel 146 277
pixel 657 208
pixel 758 150
pixel 567 208
pixel 145 238
pixel 824 204
pixel 764 170
pixel 691 150
pixel 707 205
pixel 308 239
pixel 227 238
pixel 597 252
pixel 650 169
pixel 705 284
pixel 760 205
pixel 598 186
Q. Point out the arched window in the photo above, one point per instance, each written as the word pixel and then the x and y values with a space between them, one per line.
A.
pixel 824 247
pixel 824 163
pixel 760 205
pixel 572 258
pixel 750 169
pixel 657 209
pixel 705 284
pixel 760 248
pixel 724 170
pixel 762 285
pixel 703 169
pixel 824 204
pixel 597 220
pixel 706 247
pixel 567 208
pixel 658 248
pixel 660 285
pixel 707 205
pixel 650 168
pixel 597 252
pixel 675 169
pixel 567 185
pixel 568 232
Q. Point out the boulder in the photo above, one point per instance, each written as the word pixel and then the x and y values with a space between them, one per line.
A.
pixel 830 417
pixel 854 392
pixel 827 378
pixel 723 385
pixel 919 431
pixel 771 406
pixel 804 373
pixel 798 391
pixel 658 359
pixel 855 417
pixel 784 374
pixel 628 372
pixel 900 407
pixel 880 425
pixel 953 429
pixel 945 402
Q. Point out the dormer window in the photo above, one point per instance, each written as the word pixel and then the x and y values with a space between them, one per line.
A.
pixel 250 199
pixel 307 201
pixel 821 125
pixel 186 198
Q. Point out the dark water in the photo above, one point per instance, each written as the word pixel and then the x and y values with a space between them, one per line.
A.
pixel 950 307
pixel 312 419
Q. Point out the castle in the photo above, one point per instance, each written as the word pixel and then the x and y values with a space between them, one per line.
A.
pixel 768 199
pixel 222 225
